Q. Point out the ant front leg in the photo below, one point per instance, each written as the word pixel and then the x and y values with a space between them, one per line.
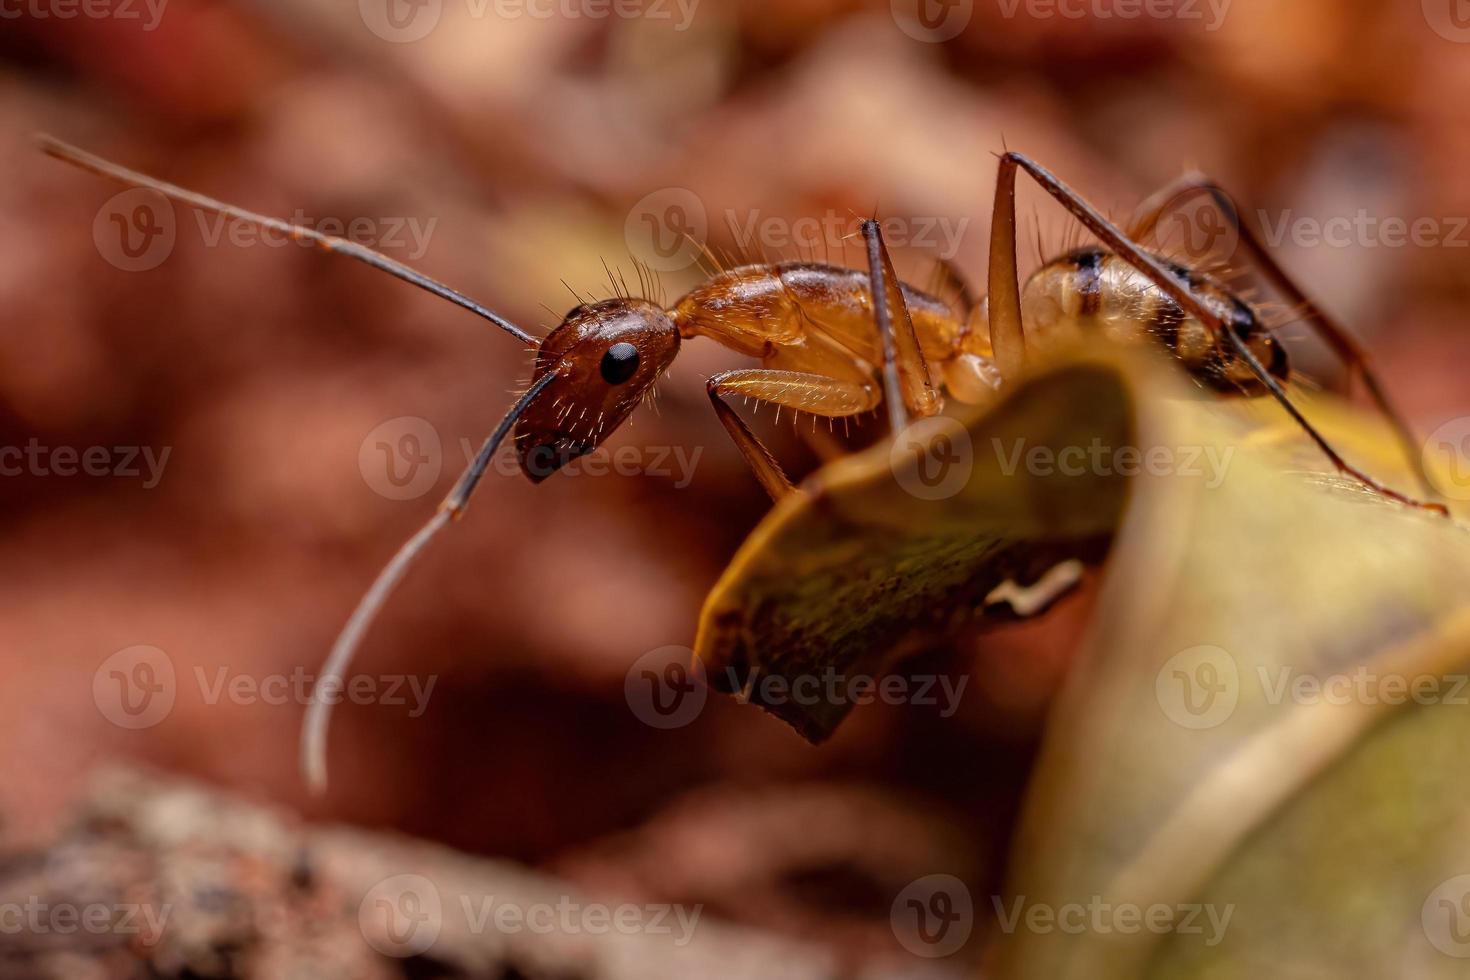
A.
pixel 1005 301
pixel 906 381
pixel 1146 221
pixel 907 384
pixel 801 391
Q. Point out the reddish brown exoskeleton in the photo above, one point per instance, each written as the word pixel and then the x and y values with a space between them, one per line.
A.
pixel 831 345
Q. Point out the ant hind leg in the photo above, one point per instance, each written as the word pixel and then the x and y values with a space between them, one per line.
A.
pixel 907 387
pixel 1343 343
pixel 1005 301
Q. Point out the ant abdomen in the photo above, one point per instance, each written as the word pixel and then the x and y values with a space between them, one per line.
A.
pixel 1094 292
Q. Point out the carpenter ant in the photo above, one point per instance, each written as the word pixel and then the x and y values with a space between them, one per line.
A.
pixel 832 346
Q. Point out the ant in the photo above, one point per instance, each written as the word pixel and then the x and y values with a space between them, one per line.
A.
pixel 831 345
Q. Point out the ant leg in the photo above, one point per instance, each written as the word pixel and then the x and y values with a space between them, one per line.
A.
pixel 1005 300
pixel 800 391
pixel 906 382
pixel 1343 343
pixel 1007 336
pixel 953 280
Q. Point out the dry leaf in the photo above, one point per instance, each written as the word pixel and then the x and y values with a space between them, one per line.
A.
pixel 1256 746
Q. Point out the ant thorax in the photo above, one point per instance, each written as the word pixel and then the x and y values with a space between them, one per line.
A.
pixel 754 309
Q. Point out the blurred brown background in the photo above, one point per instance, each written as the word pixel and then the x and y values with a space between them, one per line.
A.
pixel 531 150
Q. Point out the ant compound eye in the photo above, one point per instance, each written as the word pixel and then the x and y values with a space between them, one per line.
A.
pixel 619 363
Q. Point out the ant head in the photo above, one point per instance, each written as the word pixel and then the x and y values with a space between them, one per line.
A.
pixel 607 355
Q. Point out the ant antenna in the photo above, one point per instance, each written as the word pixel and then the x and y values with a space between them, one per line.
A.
pixel 328 687
pixel 81 158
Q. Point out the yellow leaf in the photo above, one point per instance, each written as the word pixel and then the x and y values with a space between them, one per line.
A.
pixel 1257 746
